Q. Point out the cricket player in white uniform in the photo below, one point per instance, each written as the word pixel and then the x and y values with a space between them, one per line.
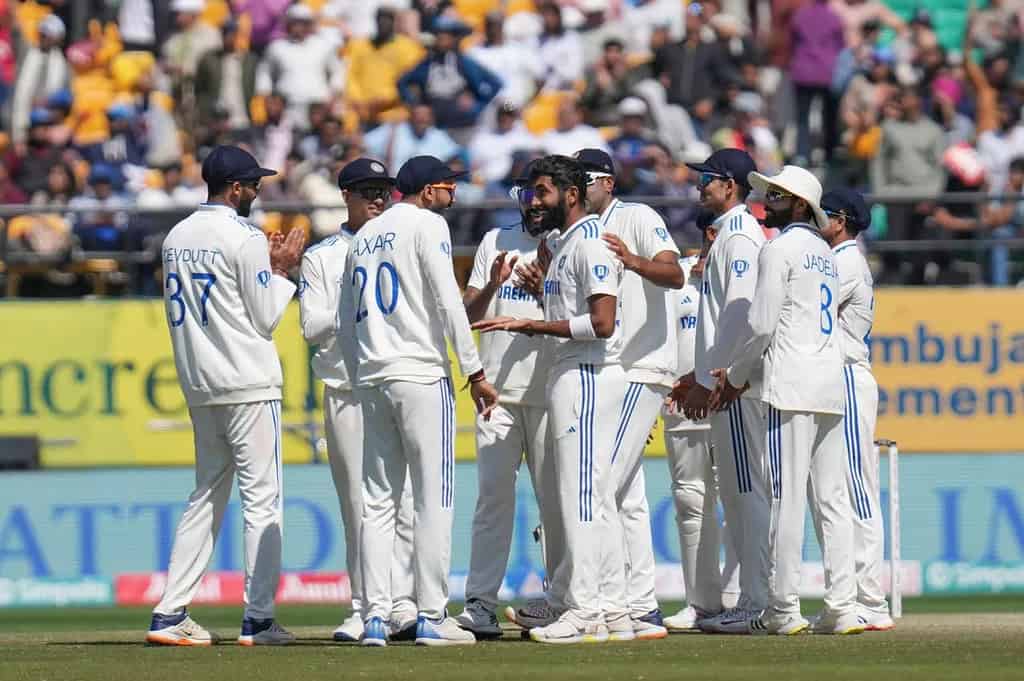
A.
pixel 400 304
pixel 737 434
pixel 637 235
pixel 694 486
pixel 584 397
pixel 366 189
pixel 849 215
pixel 225 290
pixel 518 425
pixel 794 334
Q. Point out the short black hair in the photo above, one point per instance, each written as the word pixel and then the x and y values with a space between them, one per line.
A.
pixel 564 172
pixel 1017 165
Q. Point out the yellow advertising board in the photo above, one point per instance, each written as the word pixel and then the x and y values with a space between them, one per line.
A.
pixel 96 382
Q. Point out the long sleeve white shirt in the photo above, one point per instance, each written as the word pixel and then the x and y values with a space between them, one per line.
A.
pixel 400 301
pixel 510 359
pixel 730 278
pixel 794 324
pixel 323 267
pixel 856 303
pixel 685 302
pixel 648 331
pixel 581 266
pixel 223 304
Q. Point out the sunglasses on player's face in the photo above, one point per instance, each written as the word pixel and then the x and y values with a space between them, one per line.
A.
pixel 372 193
pixel 708 178
pixel 773 195
pixel 450 186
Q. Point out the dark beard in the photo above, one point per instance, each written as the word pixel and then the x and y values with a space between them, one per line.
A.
pixel 244 208
pixel 554 218
pixel 778 218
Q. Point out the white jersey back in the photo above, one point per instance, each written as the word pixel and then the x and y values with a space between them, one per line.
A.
pixel 223 304
pixel 684 314
pixel 323 266
pixel 581 266
pixel 400 301
pixel 856 303
pixel 648 332
pixel 730 277
pixel 803 365
pixel 510 359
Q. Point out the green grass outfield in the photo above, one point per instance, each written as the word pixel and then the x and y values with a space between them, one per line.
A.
pixel 939 638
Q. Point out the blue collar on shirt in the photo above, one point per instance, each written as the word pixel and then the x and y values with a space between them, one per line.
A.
pixel 582 221
pixel 607 214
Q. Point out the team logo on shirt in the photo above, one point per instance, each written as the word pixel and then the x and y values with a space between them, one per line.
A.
pixel 303 285
pixel 601 272
pixel 740 267
pixel 561 262
pixel 263 277
pixel 662 233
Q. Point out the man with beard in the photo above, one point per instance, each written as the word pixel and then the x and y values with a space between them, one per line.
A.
pixel 399 304
pixel 366 189
pixel 737 434
pixel 639 239
pixel 792 336
pixel 225 291
pixel 518 425
pixel 584 391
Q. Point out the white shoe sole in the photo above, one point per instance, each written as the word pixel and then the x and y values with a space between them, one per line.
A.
pixel 373 643
pixel 442 642
pixel 582 638
pixel 157 639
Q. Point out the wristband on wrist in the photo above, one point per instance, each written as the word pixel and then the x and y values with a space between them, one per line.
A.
pixel 582 328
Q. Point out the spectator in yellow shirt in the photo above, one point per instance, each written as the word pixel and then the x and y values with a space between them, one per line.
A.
pixel 375 65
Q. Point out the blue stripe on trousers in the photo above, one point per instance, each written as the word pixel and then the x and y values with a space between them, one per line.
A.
pixel 861 502
pixel 628 405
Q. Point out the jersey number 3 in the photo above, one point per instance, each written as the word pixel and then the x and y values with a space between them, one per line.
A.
pixel 174 300
pixel 385 284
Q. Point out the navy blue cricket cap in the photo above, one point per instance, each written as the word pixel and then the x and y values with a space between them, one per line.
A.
pixel 419 171
pixel 228 163
pixel 735 164
pixel 851 204
pixel 363 170
pixel 595 161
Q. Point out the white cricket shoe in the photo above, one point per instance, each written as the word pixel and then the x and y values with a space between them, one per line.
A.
pixel 264 633
pixel 731 621
pixel 479 619
pixel 687 619
pixel 840 625
pixel 620 628
pixel 571 629
pixel 536 613
pixel 351 630
pixel 787 624
pixel 178 630
pixel 442 632
pixel 874 620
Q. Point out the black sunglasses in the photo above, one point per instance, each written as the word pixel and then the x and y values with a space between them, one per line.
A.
pixel 707 178
pixel 372 193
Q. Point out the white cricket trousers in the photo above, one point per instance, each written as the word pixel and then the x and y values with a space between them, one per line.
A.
pixel 738 437
pixel 807 463
pixel 242 439
pixel 638 414
pixel 343 426
pixel 864 485
pixel 695 493
pixel 408 427
pixel 584 402
pixel 513 431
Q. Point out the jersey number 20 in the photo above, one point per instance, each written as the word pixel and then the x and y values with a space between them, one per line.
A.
pixel 387 277
pixel 204 279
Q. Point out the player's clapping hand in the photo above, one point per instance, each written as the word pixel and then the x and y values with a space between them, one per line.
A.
pixel 544 255
pixel 621 251
pixel 502 268
pixel 696 405
pixel 286 251
pixel 725 393
pixel 485 398
pixel 530 277
pixel 502 324
pixel 677 396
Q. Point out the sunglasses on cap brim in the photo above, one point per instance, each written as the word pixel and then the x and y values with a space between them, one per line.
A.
pixel 776 194
pixel 594 176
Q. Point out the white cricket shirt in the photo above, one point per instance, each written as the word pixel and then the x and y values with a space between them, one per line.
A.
pixel 400 301
pixel 730 277
pixel 510 359
pixel 223 303
pixel 684 315
pixel 856 303
pixel 794 324
pixel 323 267
pixel 581 266
pixel 648 330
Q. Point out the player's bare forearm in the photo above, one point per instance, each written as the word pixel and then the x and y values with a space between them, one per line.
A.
pixel 477 300
pixel 530 327
pixel 659 272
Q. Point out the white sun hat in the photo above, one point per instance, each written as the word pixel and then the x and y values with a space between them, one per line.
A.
pixel 798 182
